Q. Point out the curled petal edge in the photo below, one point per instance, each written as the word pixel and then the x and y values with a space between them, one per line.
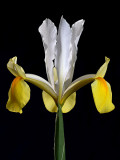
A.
pixel 42 84
pixel 15 69
pixel 102 70
pixel 77 84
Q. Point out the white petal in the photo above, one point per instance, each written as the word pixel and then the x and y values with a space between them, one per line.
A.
pixel 48 32
pixel 77 29
pixel 42 84
pixel 63 52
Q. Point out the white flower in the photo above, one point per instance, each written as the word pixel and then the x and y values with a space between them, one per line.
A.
pixel 60 57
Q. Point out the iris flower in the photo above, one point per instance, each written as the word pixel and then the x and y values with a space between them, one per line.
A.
pixel 60 57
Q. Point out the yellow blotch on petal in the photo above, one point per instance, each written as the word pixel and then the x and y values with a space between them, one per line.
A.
pixel 19 95
pixel 49 102
pixel 102 95
pixel 69 103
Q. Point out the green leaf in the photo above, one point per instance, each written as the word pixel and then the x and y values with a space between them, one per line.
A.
pixel 59 144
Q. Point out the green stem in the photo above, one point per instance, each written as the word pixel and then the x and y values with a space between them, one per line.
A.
pixel 59 144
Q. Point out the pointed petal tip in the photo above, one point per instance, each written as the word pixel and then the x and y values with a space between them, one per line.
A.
pixel 102 70
pixel 62 19
pixel 13 60
pixel 82 21
pixel 107 59
pixel 62 16
pixel 12 109
pixel 11 63
pixel 43 23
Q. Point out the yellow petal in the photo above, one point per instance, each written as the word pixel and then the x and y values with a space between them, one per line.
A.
pixel 15 69
pixel 19 95
pixel 51 106
pixel 102 95
pixel 69 103
pixel 49 102
pixel 101 72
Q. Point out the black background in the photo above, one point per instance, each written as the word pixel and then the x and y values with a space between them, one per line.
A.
pixel 88 134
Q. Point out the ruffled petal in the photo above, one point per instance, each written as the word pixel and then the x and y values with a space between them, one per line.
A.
pixel 49 102
pixel 48 32
pixel 102 95
pixel 69 103
pixel 19 95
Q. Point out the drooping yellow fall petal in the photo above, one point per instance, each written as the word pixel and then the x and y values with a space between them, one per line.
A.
pixel 49 102
pixel 19 95
pixel 102 95
pixel 69 103
pixel 102 70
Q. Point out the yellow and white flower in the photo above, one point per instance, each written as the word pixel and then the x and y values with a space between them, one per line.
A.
pixel 60 57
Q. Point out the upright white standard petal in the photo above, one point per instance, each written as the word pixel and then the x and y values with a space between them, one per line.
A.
pixel 77 29
pixel 48 32
pixel 63 52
